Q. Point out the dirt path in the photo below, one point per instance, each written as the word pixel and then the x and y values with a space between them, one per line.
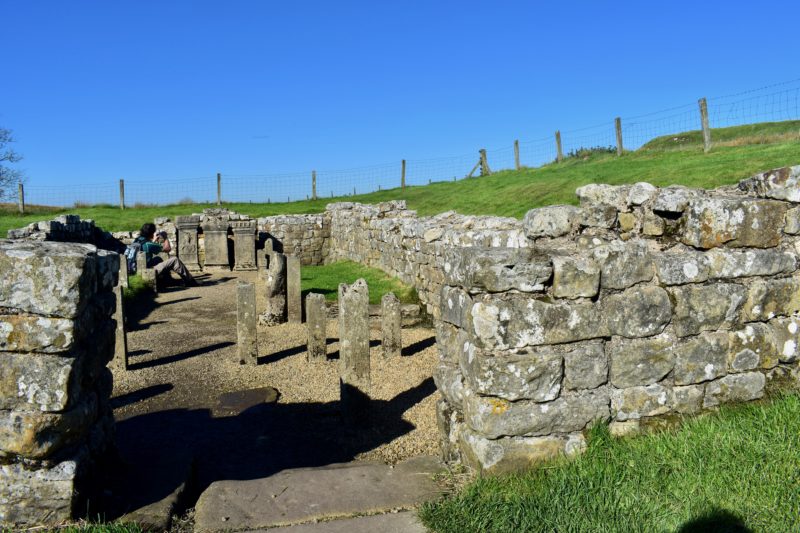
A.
pixel 182 348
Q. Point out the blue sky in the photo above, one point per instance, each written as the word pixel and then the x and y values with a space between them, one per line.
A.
pixel 98 90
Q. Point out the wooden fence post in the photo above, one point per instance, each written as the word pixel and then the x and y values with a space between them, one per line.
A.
pixel 485 170
pixel 21 198
pixel 516 154
pixel 618 127
pixel 219 188
pixel 559 153
pixel 313 184
pixel 704 124
pixel 122 194
pixel 403 175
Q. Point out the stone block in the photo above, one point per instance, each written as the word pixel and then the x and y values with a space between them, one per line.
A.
pixel 735 388
pixel 317 322
pixel 688 400
pixel 275 284
pixel 246 335
pixel 497 269
pixel 638 402
pixel 627 221
pixel 40 381
pixel 244 247
pixel 450 382
pixel 637 312
pixel 494 417
pixel 575 277
pixel 636 362
pixel 354 363
pixel 598 216
pixel 679 267
pixel 674 199
pixel 641 193
pixel 456 306
pixel 767 298
pixel 215 239
pixel 780 184
pixel 47 278
pixel 600 193
pixel 735 222
pixel 623 264
pixel 653 225
pixel 108 270
pixel 786 339
pixel 725 264
pixel 751 347
pixel 391 326
pixel 792 218
pixel 30 333
pixel 294 298
pixel 530 375
pixel 585 367
pixel 508 454
pixel 551 221
pixel 706 307
pixel 701 358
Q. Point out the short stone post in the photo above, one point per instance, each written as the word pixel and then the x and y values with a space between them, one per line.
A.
pixel 275 312
pixel 123 271
pixel 215 234
pixel 354 367
pixel 391 324
pixel 244 235
pixel 186 227
pixel 120 361
pixel 317 321
pixel 148 275
pixel 294 302
pixel 247 345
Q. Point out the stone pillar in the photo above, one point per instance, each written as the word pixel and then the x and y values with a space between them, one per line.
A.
pixel 247 346
pixel 294 301
pixel 56 337
pixel 276 290
pixel 354 369
pixel 120 361
pixel 123 271
pixel 148 275
pixel 186 227
pixel 215 235
pixel 391 324
pixel 317 321
pixel 244 245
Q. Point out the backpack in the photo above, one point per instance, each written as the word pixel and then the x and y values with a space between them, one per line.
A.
pixel 130 255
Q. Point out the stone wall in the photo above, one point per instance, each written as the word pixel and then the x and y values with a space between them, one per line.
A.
pixel 304 236
pixel 56 337
pixel 641 304
pixel 68 228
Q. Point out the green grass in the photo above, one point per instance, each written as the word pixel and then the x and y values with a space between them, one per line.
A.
pixel 92 527
pixel 739 152
pixel 136 287
pixel 326 279
pixel 741 465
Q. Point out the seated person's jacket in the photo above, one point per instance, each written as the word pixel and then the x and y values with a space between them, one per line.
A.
pixel 151 250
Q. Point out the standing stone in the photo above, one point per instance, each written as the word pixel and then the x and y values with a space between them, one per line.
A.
pixel 186 227
pixel 317 320
pixel 354 370
pixel 123 271
pixel 148 275
pixel 247 347
pixel 391 323
pixel 120 361
pixel 294 302
pixel 244 234
pixel 276 290
pixel 215 234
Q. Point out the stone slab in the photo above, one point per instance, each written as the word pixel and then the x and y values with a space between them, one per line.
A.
pixel 404 522
pixel 304 495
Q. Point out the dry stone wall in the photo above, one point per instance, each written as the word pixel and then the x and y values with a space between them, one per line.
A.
pixel 56 337
pixel 641 303
pixel 306 237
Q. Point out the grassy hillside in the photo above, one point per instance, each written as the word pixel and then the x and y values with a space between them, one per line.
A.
pixel 674 159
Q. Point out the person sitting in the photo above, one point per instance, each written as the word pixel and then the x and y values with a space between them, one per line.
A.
pixel 152 244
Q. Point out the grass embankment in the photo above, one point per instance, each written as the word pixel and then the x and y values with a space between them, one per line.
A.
pixel 738 153
pixel 326 279
pixel 735 471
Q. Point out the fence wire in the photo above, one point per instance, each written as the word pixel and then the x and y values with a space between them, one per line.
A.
pixel 772 103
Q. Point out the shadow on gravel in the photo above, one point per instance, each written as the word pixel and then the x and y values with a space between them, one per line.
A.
pixel 254 443
pixel 180 356
pixel 139 395
pixel 418 346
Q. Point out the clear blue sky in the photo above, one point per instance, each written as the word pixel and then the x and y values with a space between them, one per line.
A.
pixel 146 89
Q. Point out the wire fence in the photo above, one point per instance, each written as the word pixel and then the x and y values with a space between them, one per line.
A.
pixel 772 103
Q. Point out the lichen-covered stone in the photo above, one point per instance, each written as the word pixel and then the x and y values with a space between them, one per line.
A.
pixel 550 221
pixel 636 312
pixel 456 306
pixel 508 454
pixel 701 358
pixel 529 375
pixel 497 269
pixel 767 298
pixel 688 400
pixel 780 184
pixel 46 382
pixel 641 193
pixel 735 388
pixel 600 193
pixel 636 362
pixel 495 417
pixel 752 347
pixel 653 225
pixel 792 218
pixel 623 264
pixel 673 199
pixel 678 267
pixel 638 402
pixel 627 221
pixel 786 338
pixel 706 307
pixel 735 222
pixel 28 333
pixel 575 277
pixel 725 264
pixel 598 216
pixel 450 382
pixel 585 367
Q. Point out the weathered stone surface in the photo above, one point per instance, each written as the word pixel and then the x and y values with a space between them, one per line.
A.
pixel 215 239
pixel 636 362
pixel 448 342
pixel 525 375
pixel 186 229
pixel 120 361
pixel 735 222
pixel 585 367
pixel 294 298
pixel 636 312
pixel 450 382
pixel 244 235
pixel 752 347
pixel 38 435
pixel 627 221
pixel 653 225
pixel 780 184
pixel 735 388
pixel 792 218
pixel 46 382
pixel 641 192
pixel 495 417
pixel 391 326
pixel 637 402
pixel 701 358
pixel 456 306
pixel 688 400
pixel 678 267
pixel 598 216
pixel 497 269
pixel 600 193
pixel 508 454
pixel 767 298
pixel 275 284
pixel 247 340
pixel 28 333
pixel 107 270
pixel 47 278
pixel 550 221
pixel 354 364
pixel 737 264
pixel 623 264
pixel 786 338
pixel 575 277
pixel 317 322
pixel 707 307
pixel 673 199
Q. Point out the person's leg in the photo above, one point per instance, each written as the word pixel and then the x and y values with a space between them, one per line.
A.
pixel 176 265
